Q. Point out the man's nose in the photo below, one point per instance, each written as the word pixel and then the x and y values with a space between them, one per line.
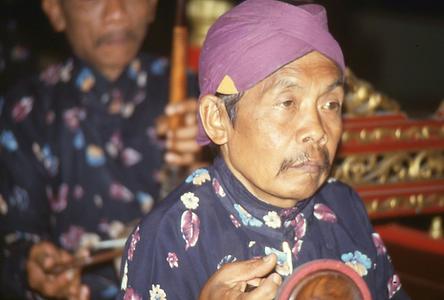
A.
pixel 312 129
pixel 114 9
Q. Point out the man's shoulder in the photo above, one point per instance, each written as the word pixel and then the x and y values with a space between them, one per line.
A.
pixel 194 195
pixel 341 195
pixel 337 186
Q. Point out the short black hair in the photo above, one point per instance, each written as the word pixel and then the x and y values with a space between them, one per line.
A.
pixel 230 102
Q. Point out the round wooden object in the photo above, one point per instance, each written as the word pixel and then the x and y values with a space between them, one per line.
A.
pixel 324 279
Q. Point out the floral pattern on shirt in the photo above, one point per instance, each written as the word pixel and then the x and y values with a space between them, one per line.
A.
pixel 220 231
pixel 189 200
pixel 190 228
pixel 272 219
pixel 156 293
pixel 323 213
pixel 357 261
pixel 172 260
pixel 246 218
pixel 393 285
pixel 379 244
pixel 75 147
pixel 198 177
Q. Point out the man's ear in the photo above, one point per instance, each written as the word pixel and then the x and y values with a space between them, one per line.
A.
pixel 54 12
pixel 214 119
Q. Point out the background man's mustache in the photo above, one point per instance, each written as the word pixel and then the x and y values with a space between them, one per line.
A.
pixel 110 37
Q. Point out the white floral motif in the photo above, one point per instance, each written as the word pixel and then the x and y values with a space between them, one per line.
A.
pixel 190 200
pixel 156 293
pixel 201 178
pixel 272 219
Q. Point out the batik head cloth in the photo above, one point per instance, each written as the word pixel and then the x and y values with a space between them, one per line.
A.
pixel 256 38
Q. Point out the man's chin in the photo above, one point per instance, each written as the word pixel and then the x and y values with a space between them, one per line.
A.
pixel 113 65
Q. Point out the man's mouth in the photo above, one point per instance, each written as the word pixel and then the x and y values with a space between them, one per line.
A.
pixel 115 38
pixel 307 163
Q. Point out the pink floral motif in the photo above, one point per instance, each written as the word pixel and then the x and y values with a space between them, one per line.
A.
pixel 60 201
pixel 71 239
pixel 130 157
pixel 379 244
pixel 50 117
pixel 78 192
pixel 172 260
pixel 393 285
pixel 73 116
pixel 22 109
pixel 286 212
pixel 51 75
pixel 297 248
pixel 115 144
pixel 300 226
pixel 120 192
pixel 130 294
pixel 218 188
pixel 235 222
pixel 189 226
pixel 324 213
pixel 135 238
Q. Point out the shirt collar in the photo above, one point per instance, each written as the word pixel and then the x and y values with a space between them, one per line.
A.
pixel 247 209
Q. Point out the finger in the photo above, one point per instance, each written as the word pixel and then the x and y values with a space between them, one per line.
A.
pixel 65 257
pixel 84 293
pixel 250 269
pixel 183 146
pixel 73 289
pixel 57 286
pixel 267 289
pixel 161 125
pixel 182 107
pixel 43 254
pixel 175 159
pixel 183 133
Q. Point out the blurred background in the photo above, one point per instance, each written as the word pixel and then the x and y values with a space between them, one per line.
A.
pixel 397 45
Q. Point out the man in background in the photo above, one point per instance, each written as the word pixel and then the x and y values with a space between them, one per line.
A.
pixel 79 150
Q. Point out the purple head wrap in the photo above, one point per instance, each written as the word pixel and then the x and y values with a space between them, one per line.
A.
pixel 256 38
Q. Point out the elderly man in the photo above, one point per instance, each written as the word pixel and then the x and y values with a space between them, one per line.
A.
pixel 271 79
pixel 79 154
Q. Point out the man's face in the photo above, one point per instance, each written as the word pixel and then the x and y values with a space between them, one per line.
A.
pixel 105 33
pixel 286 131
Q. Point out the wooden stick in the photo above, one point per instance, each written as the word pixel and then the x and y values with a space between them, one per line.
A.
pixel 178 76
pixel 82 262
pixel 178 91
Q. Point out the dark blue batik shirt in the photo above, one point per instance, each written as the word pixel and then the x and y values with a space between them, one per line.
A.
pixel 212 219
pixel 78 162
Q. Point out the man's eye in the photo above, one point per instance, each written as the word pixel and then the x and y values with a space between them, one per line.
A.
pixel 332 105
pixel 287 103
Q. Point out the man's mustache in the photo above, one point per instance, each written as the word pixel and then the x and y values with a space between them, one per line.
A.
pixel 304 157
pixel 111 36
